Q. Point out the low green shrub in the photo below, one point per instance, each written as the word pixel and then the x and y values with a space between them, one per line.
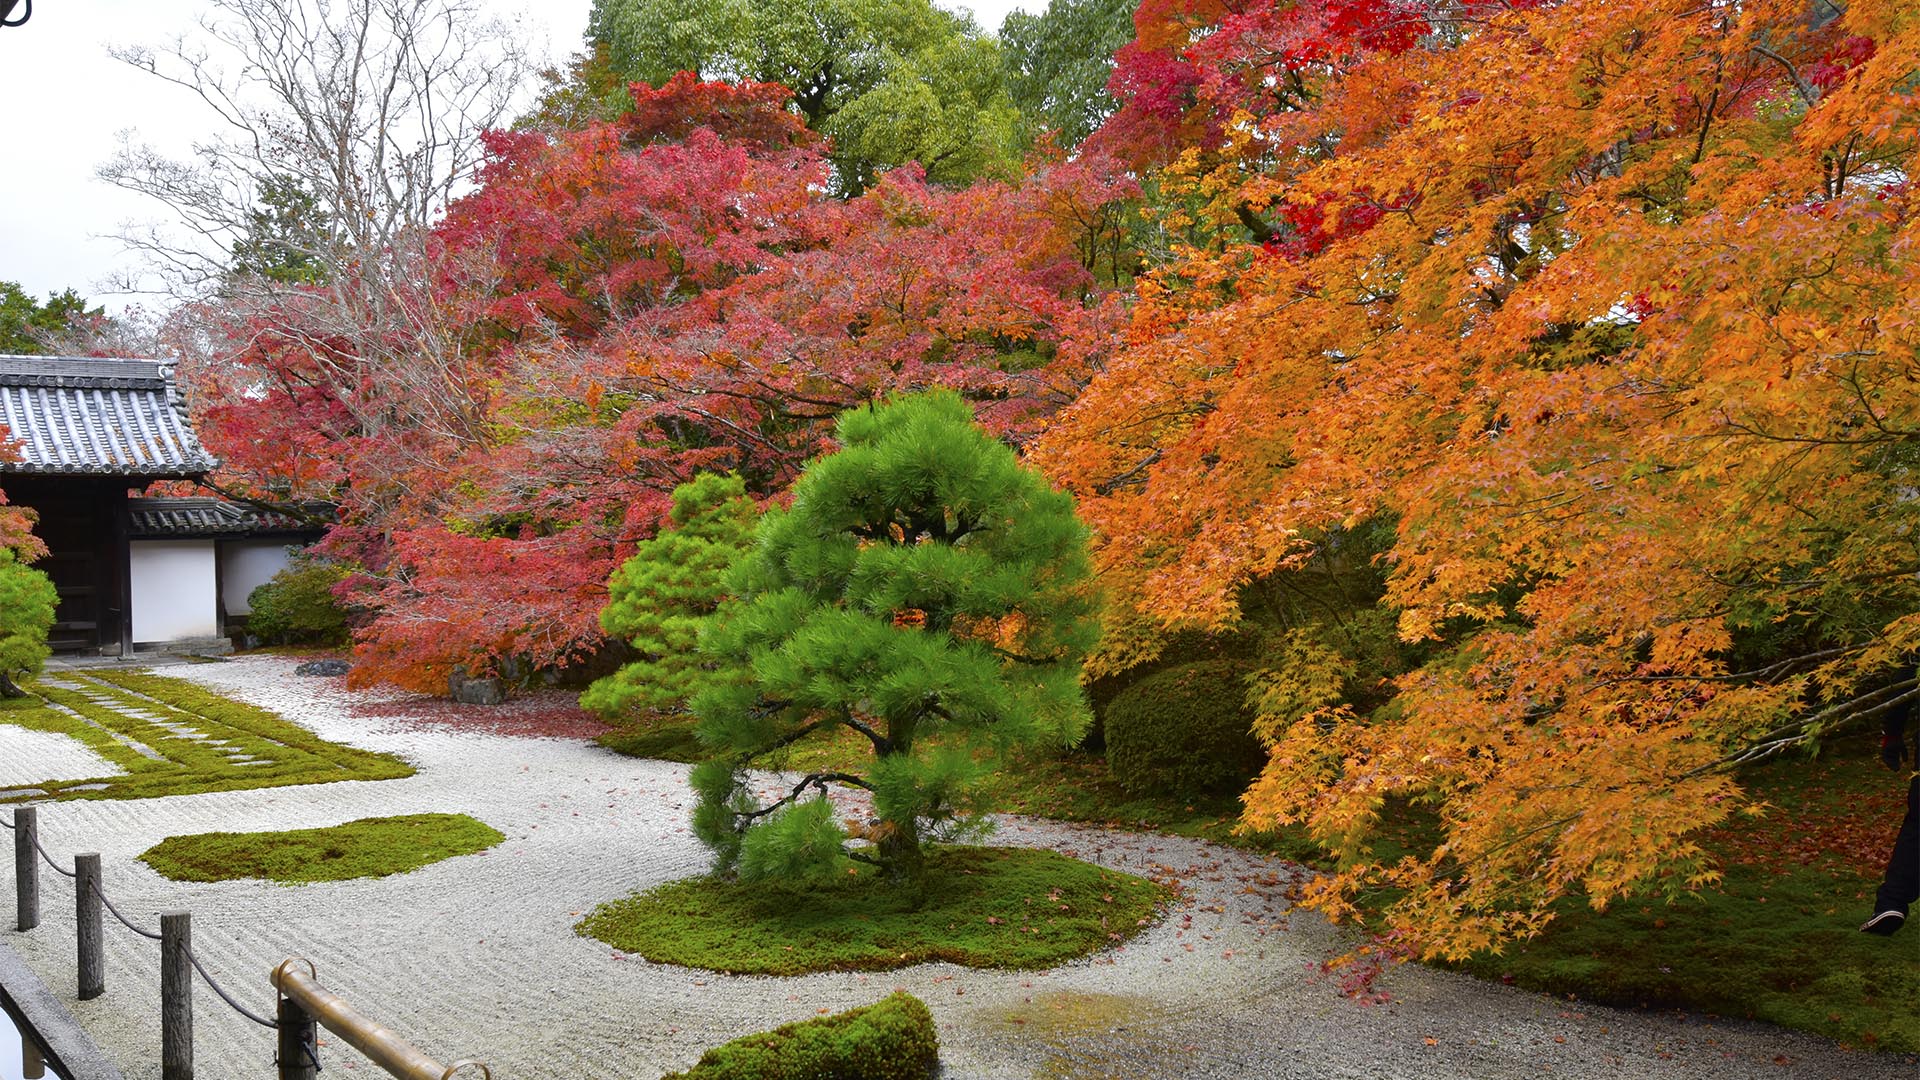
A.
pixel 1185 732
pixel 27 601
pixel 297 607
pixel 1243 643
pixel 892 1039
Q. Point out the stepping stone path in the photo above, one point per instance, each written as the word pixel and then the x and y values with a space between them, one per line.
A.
pixel 114 699
pixel 128 714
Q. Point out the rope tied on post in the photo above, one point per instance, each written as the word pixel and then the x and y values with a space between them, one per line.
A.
pixel 224 996
pixel 102 894
pixel 57 868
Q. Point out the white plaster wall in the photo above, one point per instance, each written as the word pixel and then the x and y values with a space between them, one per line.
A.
pixel 245 566
pixel 173 590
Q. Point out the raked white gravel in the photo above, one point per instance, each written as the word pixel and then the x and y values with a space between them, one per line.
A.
pixel 476 956
pixel 34 757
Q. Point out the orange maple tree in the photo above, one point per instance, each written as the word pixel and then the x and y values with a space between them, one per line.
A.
pixel 1607 312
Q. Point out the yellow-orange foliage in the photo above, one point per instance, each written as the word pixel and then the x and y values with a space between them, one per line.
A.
pixel 1617 321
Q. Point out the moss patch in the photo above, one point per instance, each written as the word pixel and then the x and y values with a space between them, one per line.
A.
pixel 1778 940
pixel 174 738
pixel 986 907
pixel 670 739
pixel 369 847
pixel 892 1039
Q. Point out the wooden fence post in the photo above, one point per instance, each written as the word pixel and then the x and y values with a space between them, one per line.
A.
pixel 176 996
pixel 298 1038
pixel 26 868
pixel 86 893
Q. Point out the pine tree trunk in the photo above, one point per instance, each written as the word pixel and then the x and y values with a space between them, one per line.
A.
pixel 906 863
pixel 7 689
pixel 899 847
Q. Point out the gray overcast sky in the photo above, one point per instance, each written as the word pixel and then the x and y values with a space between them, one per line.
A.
pixel 64 101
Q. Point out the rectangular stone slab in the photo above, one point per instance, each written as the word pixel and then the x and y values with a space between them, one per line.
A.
pixel 72 1050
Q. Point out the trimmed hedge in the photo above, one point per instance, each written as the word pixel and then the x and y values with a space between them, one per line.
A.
pixel 1185 732
pixel 297 607
pixel 892 1039
pixel 1244 643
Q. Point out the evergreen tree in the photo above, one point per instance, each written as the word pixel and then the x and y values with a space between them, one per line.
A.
pixel 924 590
pixel 887 81
pixel 657 598
pixel 26 614
pixel 26 325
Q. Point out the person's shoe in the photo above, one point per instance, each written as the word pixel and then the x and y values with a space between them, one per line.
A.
pixel 1884 924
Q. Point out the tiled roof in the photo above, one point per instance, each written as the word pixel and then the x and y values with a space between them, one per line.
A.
pixel 75 416
pixel 203 516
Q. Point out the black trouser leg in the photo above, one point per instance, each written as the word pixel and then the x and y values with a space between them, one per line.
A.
pixel 1902 886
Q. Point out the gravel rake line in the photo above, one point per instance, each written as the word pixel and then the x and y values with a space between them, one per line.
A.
pixel 538 1001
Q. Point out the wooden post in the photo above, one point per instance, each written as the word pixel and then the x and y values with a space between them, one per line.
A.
pixel 26 868
pixel 32 1065
pixel 86 898
pixel 123 558
pixel 176 996
pixel 297 1042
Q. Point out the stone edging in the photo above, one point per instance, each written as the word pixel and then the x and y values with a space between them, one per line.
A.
pixel 72 1050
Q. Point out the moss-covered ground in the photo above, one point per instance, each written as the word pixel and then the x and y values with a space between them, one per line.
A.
pixel 892 1039
pixel 366 848
pixel 193 740
pixel 984 907
pixel 1777 940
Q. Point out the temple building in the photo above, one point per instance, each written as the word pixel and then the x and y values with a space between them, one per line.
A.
pixel 86 437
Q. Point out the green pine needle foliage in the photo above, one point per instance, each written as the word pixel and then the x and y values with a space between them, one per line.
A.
pixel 659 595
pixel 892 1039
pixel 26 615
pixel 923 585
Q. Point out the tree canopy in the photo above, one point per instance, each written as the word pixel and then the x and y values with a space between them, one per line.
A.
pixel 1600 306
pixel 887 81
pixel 1060 60
pixel 27 596
pixel 1533 376
pixel 658 598
pixel 26 325
pixel 924 590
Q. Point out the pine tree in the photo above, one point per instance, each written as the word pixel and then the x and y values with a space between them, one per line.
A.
pixel 659 595
pixel 924 590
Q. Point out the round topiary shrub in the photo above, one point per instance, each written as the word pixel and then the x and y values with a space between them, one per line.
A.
pixel 1184 732
pixel 297 607
pixel 1244 643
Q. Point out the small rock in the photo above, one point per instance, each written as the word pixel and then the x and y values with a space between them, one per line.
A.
pixel 470 691
pixel 322 667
